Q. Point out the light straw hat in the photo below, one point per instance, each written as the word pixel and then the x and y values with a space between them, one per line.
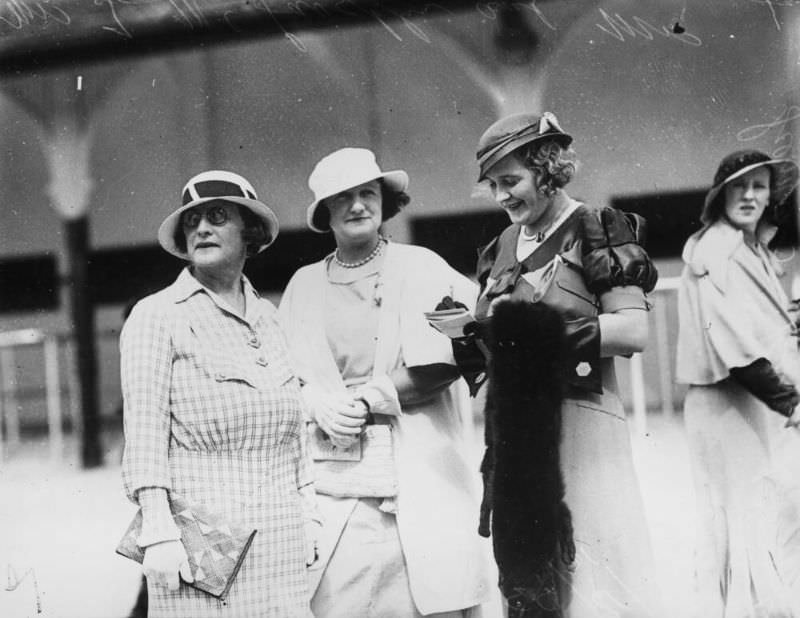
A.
pixel 345 169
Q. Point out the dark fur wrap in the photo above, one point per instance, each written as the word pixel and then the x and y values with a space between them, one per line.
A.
pixel 531 524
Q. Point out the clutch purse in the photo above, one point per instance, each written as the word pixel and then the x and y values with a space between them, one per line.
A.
pixel 365 470
pixel 216 547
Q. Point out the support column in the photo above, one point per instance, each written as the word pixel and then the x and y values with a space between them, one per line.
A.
pixel 66 145
pixel 83 330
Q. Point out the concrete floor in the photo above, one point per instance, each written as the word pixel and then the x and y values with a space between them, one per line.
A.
pixel 61 524
pixel 64 524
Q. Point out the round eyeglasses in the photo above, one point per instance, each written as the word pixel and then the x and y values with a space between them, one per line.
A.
pixel 215 215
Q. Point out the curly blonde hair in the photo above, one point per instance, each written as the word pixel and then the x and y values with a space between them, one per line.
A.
pixel 554 164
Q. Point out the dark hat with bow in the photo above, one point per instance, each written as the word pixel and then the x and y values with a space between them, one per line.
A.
pixel 511 132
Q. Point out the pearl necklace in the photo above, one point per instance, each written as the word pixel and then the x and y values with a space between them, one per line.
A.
pixel 375 253
pixel 537 236
pixel 541 234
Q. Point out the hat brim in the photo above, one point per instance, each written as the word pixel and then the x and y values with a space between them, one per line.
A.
pixel 490 158
pixel 785 177
pixel 396 180
pixel 167 229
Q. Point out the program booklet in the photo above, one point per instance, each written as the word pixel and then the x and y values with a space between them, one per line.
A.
pixel 450 322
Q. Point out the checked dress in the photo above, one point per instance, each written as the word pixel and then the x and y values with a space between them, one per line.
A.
pixel 213 412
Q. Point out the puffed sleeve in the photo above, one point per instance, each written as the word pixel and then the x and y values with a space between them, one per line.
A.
pixel 146 371
pixel 612 251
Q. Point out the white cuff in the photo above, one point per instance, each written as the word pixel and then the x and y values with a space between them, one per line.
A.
pixel 380 396
pixel 153 536
pixel 158 524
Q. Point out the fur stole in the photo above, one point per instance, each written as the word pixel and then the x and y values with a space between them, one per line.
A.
pixel 531 524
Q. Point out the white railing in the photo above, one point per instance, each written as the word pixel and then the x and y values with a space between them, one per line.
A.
pixel 666 287
pixel 10 343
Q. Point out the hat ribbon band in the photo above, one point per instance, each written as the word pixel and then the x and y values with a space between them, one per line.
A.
pixel 215 188
pixel 547 124
pixel 524 131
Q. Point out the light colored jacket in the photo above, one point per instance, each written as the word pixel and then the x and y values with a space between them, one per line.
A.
pixel 437 506
pixel 732 308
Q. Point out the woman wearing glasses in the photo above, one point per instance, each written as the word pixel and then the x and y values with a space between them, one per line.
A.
pixel 212 411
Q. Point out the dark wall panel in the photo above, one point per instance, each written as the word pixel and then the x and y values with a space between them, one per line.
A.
pixel 457 237
pixel 28 283
pixel 673 217
pixel 121 275
pixel 271 269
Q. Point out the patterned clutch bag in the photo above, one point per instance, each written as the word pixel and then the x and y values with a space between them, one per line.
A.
pixel 216 547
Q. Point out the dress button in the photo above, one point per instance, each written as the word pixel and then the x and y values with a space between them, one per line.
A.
pixel 254 342
pixel 262 361
pixel 583 369
pixel 219 377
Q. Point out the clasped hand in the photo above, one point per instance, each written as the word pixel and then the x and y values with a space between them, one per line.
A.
pixel 164 561
pixel 339 415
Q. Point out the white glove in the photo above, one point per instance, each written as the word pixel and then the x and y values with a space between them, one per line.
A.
pixel 337 414
pixel 380 396
pixel 164 561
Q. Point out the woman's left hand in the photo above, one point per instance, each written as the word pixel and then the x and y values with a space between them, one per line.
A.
pixel 313 529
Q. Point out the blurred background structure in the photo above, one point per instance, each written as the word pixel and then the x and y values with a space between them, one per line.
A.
pixel 106 108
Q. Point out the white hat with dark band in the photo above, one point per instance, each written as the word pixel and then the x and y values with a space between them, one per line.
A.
pixel 208 187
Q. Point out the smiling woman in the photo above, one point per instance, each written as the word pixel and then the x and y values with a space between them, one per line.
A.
pixel 355 217
pixel 557 444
